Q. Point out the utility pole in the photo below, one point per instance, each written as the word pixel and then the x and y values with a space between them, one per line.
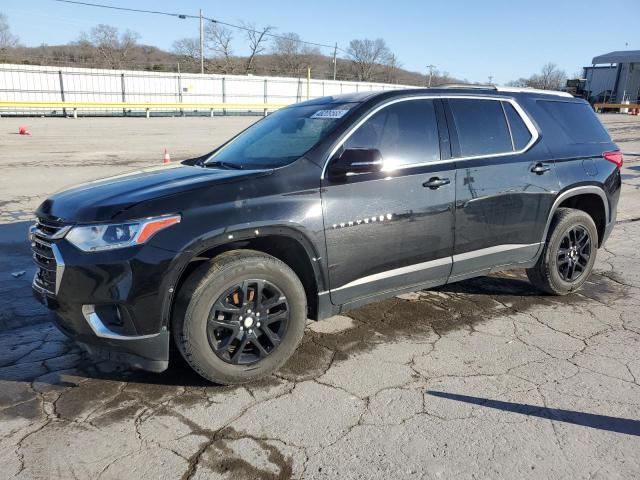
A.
pixel 335 60
pixel 201 43
pixel 430 67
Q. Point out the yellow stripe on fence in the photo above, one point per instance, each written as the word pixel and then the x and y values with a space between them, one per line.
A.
pixel 144 106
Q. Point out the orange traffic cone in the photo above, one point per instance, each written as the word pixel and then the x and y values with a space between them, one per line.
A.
pixel 167 157
pixel 23 130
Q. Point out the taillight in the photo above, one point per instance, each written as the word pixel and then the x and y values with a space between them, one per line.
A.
pixel 614 157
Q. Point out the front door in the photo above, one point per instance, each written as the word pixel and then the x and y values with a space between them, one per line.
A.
pixel 505 186
pixel 392 229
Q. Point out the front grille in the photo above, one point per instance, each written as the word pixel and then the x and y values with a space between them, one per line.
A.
pixel 43 234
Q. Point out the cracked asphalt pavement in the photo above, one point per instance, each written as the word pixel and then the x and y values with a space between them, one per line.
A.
pixel 485 378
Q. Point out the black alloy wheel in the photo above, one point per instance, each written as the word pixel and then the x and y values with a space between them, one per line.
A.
pixel 248 322
pixel 574 253
pixel 569 253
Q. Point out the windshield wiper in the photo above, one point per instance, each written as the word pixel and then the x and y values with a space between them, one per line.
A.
pixel 227 165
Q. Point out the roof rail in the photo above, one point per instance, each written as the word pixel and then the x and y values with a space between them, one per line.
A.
pixel 467 85
pixel 533 90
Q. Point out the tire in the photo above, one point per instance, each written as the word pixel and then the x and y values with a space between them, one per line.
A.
pixel 551 273
pixel 196 317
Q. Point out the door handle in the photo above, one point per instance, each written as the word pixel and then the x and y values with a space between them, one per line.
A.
pixel 435 183
pixel 540 168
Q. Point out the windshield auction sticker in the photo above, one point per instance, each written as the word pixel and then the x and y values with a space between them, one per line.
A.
pixel 329 114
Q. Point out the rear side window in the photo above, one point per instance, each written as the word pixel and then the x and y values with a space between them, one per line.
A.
pixel 519 131
pixel 404 132
pixel 482 127
pixel 576 122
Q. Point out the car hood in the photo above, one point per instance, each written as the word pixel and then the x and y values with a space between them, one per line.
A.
pixel 101 200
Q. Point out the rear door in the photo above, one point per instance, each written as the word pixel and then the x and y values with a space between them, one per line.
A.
pixel 505 185
pixel 392 229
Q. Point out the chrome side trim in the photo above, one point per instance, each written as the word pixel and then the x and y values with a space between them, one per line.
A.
pixel 434 263
pixel 101 330
pixel 395 272
pixel 572 192
pixel 491 250
pixel 525 118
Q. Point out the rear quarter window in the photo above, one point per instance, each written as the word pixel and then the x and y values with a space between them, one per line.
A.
pixel 576 122
pixel 519 131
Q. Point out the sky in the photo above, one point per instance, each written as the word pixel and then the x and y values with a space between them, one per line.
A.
pixel 470 40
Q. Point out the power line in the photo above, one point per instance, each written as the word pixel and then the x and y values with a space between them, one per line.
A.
pixel 112 7
pixel 185 16
pixel 267 34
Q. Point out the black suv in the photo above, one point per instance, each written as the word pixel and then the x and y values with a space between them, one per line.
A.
pixel 321 207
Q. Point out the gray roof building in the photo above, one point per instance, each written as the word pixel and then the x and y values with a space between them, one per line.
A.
pixel 614 77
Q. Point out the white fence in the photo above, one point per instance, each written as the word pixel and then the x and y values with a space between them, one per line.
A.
pixel 46 90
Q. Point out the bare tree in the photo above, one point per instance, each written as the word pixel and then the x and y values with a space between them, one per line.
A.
pixel 113 47
pixel 444 78
pixel 257 42
pixel 291 53
pixel 218 39
pixel 367 57
pixel 7 39
pixel 187 47
pixel 391 67
pixel 189 50
pixel 519 83
pixel 549 78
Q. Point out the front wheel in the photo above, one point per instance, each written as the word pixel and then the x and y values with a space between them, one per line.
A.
pixel 569 253
pixel 239 317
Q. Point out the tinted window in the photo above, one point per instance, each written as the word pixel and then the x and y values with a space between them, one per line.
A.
pixel 283 136
pixel 519 131
pixel 481 126
pixel 576 121
pixel 404 132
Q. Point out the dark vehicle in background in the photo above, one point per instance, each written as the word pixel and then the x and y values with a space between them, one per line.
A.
pixel 577 87
pixel 321 207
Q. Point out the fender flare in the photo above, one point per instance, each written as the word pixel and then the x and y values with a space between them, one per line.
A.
pixel 573 192
pixel 230 235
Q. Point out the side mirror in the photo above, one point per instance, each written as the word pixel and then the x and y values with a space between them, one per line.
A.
pixel 356 161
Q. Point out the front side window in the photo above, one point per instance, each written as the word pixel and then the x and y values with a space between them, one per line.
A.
pixel 481 126
pixel 282 137
pixel 405 133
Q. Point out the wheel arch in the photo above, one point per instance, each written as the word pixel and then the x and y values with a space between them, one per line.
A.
pixel 591 199
pixel 288 244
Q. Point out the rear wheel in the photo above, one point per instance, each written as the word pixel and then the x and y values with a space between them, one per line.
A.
pixel 239 317
pixel 569 253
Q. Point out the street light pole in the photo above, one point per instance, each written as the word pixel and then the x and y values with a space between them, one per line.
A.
pixel 201 43
pixel 430 67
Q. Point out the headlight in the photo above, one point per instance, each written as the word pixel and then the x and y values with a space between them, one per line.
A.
pixel 93 238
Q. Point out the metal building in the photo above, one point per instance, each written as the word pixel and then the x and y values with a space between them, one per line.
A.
pixel 614 77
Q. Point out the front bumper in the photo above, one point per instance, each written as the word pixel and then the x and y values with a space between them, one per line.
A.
pixel 149 352
pixel 113 303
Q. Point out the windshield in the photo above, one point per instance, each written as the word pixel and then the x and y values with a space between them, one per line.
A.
pixel 280 138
